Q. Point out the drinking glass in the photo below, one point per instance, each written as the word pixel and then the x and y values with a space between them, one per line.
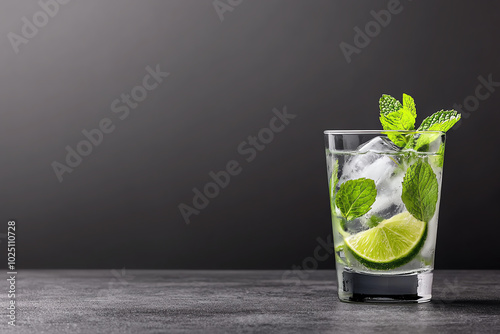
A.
pixel 385 188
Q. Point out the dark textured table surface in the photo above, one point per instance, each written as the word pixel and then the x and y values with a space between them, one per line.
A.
pixel 166 301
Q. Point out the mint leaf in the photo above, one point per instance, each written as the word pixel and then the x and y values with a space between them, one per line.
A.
pixel 409 104
pixel 388 104
pixel 439 121
pixel 374 221
pixel 397 116
pixel 398 120
pixel 420 191
pixel 355 197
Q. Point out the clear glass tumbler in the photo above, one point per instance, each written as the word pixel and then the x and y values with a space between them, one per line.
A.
pixel 384 201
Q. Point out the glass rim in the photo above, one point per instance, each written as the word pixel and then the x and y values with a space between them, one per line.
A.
pixel 380 132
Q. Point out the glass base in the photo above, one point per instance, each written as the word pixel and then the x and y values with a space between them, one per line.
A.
pixel 402 288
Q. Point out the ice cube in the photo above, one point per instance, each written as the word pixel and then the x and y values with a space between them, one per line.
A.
pixel 367 162
pixel 388 201
pixel 379 144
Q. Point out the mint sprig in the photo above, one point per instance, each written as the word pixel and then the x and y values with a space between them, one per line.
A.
pixel 355 197
pixel 397 116
pixel 420 191
pixel 420 186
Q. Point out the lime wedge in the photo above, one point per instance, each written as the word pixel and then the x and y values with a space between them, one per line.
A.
pixel 390 244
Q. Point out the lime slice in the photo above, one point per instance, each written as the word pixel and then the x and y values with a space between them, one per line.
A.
pixel 392 243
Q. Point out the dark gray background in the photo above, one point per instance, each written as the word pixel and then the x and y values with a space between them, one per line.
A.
pixel 119 208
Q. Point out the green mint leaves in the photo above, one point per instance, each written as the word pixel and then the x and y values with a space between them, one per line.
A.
pixel 409 105
pixel 420 185
pixel 388 104
pixel 440 121
pixel 420 191
pixel 398 120
pixel 397 116
pixel 355 197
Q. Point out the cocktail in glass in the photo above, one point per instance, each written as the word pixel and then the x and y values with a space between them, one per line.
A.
pixel 384 202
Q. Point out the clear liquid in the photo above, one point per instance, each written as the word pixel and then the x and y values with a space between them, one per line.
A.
pixel 387 170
